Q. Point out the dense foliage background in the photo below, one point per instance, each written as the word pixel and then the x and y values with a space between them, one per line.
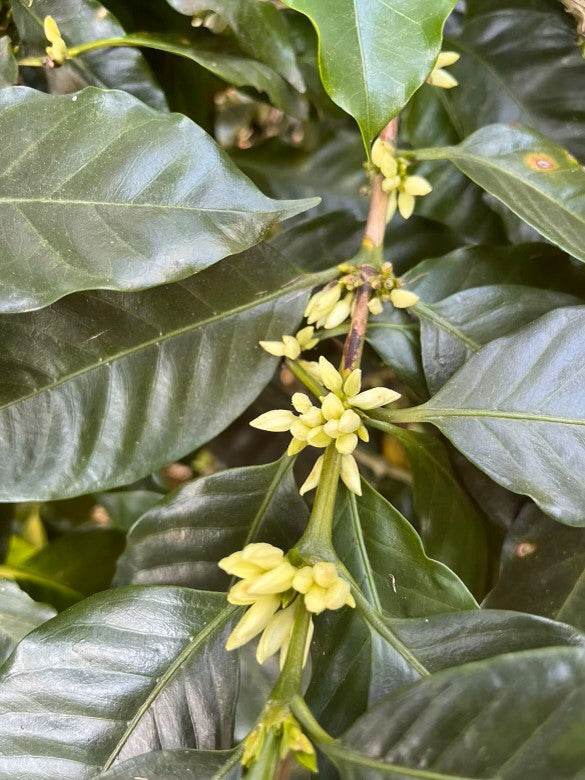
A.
pixel 170 194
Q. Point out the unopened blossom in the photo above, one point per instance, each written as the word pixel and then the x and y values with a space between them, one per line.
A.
pixel 403 189
pixel 278 724
pixel 57 51
pixel 329 307
pixel 323 588
pixel 440 77
pixel 402 299
pixel 291 346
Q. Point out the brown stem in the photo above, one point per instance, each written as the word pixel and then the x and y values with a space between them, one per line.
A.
pixel 376 224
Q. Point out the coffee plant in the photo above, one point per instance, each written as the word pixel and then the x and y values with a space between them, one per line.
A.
pixel 292 407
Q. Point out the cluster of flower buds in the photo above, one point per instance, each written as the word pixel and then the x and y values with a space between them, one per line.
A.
pixel 403 189
pixel 269 587
pixel 330 307
pixel 279 723
pixel 440 77
pixel 336 420
pixel 291 346
pixel 57 51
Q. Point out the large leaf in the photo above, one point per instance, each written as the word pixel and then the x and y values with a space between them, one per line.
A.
pixel 395 337
pixel 180 540
pixel 148 378
pixel 538 180
pixel 514 716
pixel 374 54
pixel 178 765
pixel 81 21
pixel 455 328
pixel 8 66
pixel 543 569
pixel 538 84
pixel 516 409
pixel 131 199
pixel 19 614
pixel 259 28
pixel 124 672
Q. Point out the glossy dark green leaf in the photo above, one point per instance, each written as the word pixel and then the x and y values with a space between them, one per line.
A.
pixel 147 378
pixel 180 540
pixel 123 673
pixel 538 180
pixel 395 337
pixel 543 569
pixel 260 29
pixel 8 66
pixel 19 614
pixel 374 54
pixel 178 765
pixel 81 21
pixel 514 716
pixel 456 327
pixel 516 409
pixel 124 507
pixel 537 84
pixel 114 195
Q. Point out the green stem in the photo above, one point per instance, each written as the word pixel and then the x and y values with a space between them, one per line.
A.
pixel 307 720
pixel 385 419
pixel 289 682
pixel 306 379
pixel 316 544
pixel 431 153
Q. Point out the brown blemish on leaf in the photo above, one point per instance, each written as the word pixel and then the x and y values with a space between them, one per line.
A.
pixel 524 549
pixel 541 162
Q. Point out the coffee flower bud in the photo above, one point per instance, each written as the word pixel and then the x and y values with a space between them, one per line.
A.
pixel 291 346
pixel 441 78
pixel 402 299
pixel 323 588
pixel 57 52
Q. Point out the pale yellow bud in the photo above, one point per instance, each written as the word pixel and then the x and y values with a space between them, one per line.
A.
pixel 441 78
pixel 284 648
pixel 346 443
pixel 238 593
pixel 337 594
pixel 302 403
pixel 323 302
pixel 402 299
pixel 305 337
pixel 315 599
pixel 417 185
pixel 406 204
pixel 276 633
pixel 350 474
pixel 303 579
pixel 447 58
pixel 391 206
pixel 236 565
pixel 313 479
pixel 295 446
pixel 353 383
pixel 277 580
pixel 391 184
pixel 313 417
pixel 265 555
pixel 292 347
pixel 275 421
pixel 332 407
pixel 330 377
pixel 275 348
pixel 312 368
pixel 51 28
pixel 349 421
pixel 375 306
pixel 299 430
pixel 255 620
pixel 331 428
pixel 363 434
pixel 318 437
pixel 57 51
pixel 253 744
pixel 374 398
pixel 339 313
pixel 325 574
pixel 382 153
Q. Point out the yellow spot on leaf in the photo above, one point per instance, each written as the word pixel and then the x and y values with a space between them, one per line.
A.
pixel 541 162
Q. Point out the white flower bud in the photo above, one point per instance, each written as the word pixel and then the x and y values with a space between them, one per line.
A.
pixel 325 574
pixel 276 633
pixel 305 337
pixel 447 58
pixel 303 579
pixel 331 428
pixel 275 348
pixel 339 313
pixel 375 306
pixel 265 555
pixel 299 430
pixel 363 434
pixel 374 398
pixel 346 443
pixel 275 421
pixel 318 437
pixel 402 299
pixel 254 620
pixel 330 377
pixel 353 383
pixel 406 205
pixel 51 28
pixel 315 599
pixel 295 446
pixel 292 347
pixel 332 407
pixel 337 594
pixel 391 184
pixel 277 580
pixel 313 417
pixel 322 303
pixel 313 479
pixel 350 474
pixel 441 78
pixel 349 422
pixel 302 403
pixel 236 565
pixel 238 593
pixel 391 206
pixel 285 646
pixel 417 185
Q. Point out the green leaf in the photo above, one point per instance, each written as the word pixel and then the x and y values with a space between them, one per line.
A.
pixel 508 717
pixel 395 337
pixel 19 614
pixel 124 507
pixel 538 180
pixel 147 378
pixel 516 409
pixel 180 540
pixel 8 66
pixel 81 21
pixel 543 569
pixel 374 54
pixel 178 765
pixel 538 85
pixel 259 28
pixel 127 202
pixel 122 673
pixel 456 327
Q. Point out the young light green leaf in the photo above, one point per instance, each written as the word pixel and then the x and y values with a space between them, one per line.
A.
pixel 374 54
pixel 81 21
pixel 538 180
pixel 124 672
pixel 516 409
pixel 146 379
pixel 19 614
pixel 111 194
pixel 180 540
